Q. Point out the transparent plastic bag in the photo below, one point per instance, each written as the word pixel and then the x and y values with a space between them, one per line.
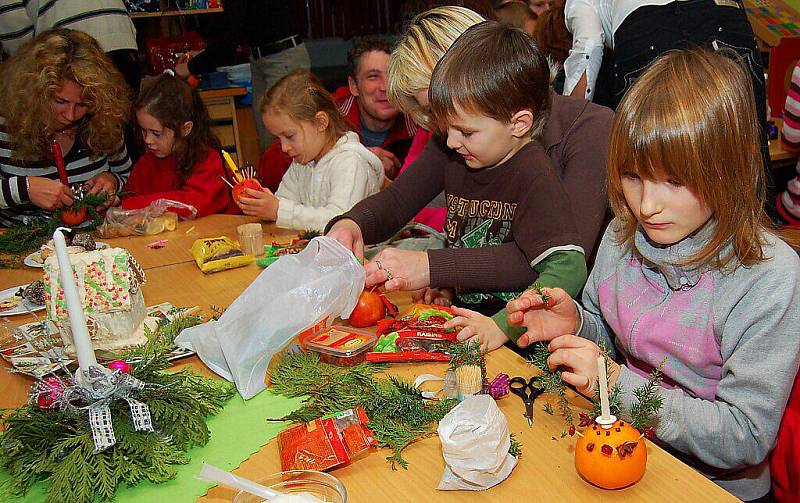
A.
pixel 296 292
pixel 159 216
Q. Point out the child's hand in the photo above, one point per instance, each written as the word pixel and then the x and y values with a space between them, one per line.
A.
pixel 544 321
pixel 579 355
pixel 477 327
pixel 261 203
pixel 399 270
pixel 435 296
pixel 348 233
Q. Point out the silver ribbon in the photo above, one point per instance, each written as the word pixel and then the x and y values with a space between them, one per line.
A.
pixel 100 388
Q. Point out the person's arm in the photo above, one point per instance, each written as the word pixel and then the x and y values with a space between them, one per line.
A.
pixel 384 213
pixel 583 172
pixel 203 189
pixel 348 184
pixel 586 55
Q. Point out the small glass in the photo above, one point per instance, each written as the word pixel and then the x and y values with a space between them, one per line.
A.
pixel 251 238
pixel 321 485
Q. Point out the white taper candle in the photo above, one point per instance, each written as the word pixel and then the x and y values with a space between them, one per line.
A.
pixel 77 319
pixel 605 408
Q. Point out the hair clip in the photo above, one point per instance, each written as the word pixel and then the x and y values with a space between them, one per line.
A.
pixel 169 72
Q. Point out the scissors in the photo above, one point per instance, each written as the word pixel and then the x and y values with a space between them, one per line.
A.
pixel 527 392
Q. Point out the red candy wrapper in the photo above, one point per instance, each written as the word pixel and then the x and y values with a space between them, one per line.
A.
pixel 326 442
pixel 419 335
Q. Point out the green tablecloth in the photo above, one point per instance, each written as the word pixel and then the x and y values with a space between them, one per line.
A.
pixel 238 431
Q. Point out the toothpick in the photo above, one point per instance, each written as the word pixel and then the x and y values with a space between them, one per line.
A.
pixel 226 181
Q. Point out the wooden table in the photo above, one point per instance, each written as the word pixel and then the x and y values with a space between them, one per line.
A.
pixel 545 470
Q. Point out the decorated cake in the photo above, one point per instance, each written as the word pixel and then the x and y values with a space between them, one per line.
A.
pixel 108 284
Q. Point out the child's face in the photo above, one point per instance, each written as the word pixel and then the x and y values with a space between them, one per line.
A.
pixel 303 141
pixel 666 210
pixel 482 141
pixel 159 140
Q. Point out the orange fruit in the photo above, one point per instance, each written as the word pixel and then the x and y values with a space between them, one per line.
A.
pixel 611 458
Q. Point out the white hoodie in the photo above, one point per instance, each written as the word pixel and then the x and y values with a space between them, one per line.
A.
pixel 311 194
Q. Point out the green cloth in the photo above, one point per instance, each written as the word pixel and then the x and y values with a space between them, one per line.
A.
pixel 239 430
pixel 566 270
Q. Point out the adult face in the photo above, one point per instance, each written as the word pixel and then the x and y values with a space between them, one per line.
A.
pixel 369 88
pixel 67 105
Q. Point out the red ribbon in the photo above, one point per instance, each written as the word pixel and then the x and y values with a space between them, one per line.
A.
pixel 59 158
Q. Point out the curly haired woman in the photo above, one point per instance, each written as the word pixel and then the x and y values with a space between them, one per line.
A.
pixel 59 86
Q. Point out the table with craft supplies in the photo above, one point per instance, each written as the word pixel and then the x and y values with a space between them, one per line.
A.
pixel 241 436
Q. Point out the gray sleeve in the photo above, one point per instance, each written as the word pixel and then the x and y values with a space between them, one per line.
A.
pixel 593 327
pixel 759 345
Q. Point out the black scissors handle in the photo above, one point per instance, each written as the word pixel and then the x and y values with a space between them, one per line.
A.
pixel 528 392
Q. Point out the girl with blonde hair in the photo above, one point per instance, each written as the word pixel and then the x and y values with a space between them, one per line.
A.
pixel 331 170
pixel 60 86
pixel 690 274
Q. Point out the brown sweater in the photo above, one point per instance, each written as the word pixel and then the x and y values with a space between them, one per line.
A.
pixel 575 140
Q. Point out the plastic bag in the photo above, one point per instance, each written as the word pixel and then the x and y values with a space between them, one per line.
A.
pixel 296 292
pixel 475 443
pixel 159 216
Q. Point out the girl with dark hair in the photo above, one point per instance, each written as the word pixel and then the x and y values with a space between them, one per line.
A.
pixel 182 161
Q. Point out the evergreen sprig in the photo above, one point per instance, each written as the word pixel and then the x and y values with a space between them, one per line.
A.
pixel 550 380
pixel 40 444
pixel 648 398
pixel 516 447
pixel 466 354
pixel 398 414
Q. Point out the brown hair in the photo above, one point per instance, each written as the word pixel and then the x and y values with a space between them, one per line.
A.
pixel 301 95
pixel 173 102
pixel 494 70
pixel 362 45
pixel 515 14
pixel 691 117
pixel 35 72
pixel 552 35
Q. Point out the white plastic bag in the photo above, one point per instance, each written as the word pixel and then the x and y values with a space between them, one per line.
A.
pixel 475 443
pixel 294 293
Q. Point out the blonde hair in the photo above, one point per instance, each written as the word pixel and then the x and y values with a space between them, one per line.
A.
pixel 36 71
pixel 301 95
pixel 411 64
pixel 691 117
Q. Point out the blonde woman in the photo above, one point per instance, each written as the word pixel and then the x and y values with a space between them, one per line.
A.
pixel 59 86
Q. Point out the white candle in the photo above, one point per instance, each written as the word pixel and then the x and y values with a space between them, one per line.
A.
pixel 77 319
pixel 605 409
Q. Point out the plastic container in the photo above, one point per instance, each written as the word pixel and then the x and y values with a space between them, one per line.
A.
pixel 342 346
pixel 322 486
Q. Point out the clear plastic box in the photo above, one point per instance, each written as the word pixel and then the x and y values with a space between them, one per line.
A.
pixel 342 346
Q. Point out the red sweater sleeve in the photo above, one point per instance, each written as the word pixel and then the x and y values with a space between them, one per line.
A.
pixel 272 165
pixel 203 189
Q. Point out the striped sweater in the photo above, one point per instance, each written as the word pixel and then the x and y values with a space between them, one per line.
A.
pixel 15 204
pixel 105 20
pixel 788 202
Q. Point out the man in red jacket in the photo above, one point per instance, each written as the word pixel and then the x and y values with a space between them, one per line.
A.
pixel 382 128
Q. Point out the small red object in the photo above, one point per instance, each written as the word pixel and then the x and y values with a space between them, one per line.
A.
pixel 58 156
pixel 51 390
pixel 650 432
pixel 247 183
pixel 607 450
pixel 155 245
pixel 121 366
pixel 369 309
pixel 571 430
pixel 73 217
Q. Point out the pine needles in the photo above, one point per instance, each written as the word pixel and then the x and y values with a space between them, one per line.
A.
pixel 57 446
pixel 398 415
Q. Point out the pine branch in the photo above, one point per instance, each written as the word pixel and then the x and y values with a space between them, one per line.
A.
pixel 466 354
pixel 550 380
pixel 649 399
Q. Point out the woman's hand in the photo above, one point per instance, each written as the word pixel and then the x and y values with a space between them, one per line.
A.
pixel 48 194
pixel 436 296
pixel 544 320
pixel 477 327
pixel 103 183
pixel 261 203
pixel 579 357
pixel 399 270
pixel 348 233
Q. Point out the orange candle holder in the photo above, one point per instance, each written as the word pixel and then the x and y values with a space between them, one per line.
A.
pixel 611 457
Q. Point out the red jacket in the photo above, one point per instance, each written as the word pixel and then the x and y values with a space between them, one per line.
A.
pixel 153 178
pixel 785 462
pixel 273 162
